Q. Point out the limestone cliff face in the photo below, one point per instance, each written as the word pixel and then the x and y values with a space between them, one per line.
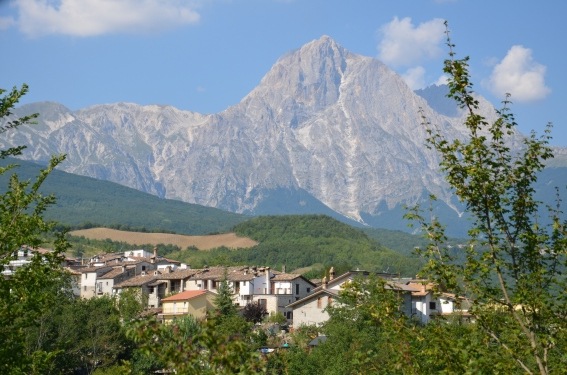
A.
pixel 341 128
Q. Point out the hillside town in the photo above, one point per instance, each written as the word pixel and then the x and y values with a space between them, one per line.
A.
pixel 170 289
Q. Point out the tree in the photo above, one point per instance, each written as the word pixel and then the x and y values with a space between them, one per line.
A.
pixel 206 350
pixel 512 266
pixel 223 301
pixel 131 303
pixel 36 288
pixel 254 312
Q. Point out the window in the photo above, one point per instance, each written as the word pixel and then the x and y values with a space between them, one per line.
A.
pixel 432 306
pixel 85 288
pixel 329 301
pixel 289 314
pixel 308 290
pixel 143 268
pixel 244 283
pixel 296 288
pixel 319 303
pixel 263 302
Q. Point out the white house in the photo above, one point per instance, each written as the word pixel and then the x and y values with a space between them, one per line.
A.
pixel 106 282
pixel 311 309
pixel 418 299
pixel 89 279
pixel 284 289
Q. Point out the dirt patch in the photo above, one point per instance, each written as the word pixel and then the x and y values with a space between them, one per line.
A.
pixel 230 240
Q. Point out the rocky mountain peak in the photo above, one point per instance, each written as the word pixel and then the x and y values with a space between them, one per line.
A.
pixel 325 131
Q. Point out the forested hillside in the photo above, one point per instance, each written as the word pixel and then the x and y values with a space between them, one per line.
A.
pixel 298 241
pixel 84 202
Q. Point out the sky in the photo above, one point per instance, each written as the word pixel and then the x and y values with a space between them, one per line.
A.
pixel 206 55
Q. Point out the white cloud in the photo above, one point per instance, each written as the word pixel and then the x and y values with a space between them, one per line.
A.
pixel 442 80
pixel 519 75
pixel 402 43
pixel 415 77
pixel 6 22
pixel 97 17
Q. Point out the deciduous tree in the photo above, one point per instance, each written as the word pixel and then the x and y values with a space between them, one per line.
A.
pixel 512 266
pixel 36 287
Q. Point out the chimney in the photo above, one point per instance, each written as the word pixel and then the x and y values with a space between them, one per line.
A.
pixel 331 273
pixel 324 282
pixel 283 268
pixel 268 288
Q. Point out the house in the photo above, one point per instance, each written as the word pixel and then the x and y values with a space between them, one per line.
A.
pixel 168 282
pixel 106 282
pixel 311 309
pixel 21 257
pixel 418 299
pixel 75 277
pixel 141 285
pixel 452 306
pixel 284 288
pixel 190 302
pixel 89 279
pixel 210 278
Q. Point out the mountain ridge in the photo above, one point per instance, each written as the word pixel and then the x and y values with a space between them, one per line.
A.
pixel 325 129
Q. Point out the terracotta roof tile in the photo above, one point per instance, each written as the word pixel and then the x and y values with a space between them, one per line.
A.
pixel 186 295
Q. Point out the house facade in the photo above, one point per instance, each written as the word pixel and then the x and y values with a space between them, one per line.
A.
pixel 89 277
pixel 284 289
pixel 311 310
pixel 418 299
pixel 195 303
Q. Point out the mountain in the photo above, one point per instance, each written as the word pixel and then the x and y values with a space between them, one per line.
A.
pixel 325 131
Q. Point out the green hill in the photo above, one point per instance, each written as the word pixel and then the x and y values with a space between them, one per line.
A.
pixel 298 241
pixel 84 202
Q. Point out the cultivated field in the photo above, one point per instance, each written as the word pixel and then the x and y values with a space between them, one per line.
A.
pixel 229 240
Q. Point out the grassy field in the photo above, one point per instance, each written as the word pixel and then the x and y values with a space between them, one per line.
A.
pixel 229 240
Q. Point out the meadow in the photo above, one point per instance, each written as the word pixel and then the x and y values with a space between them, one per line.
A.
pixel 229 240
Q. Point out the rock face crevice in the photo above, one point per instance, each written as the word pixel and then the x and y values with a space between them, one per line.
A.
pixel 338 127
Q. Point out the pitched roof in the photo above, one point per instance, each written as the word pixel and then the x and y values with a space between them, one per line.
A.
pixel 328 292
pixel 118 271
pixel 286 276
pixel 217 273
pixel 94 269
pixel 137 281
pixel 180 274
pixel 184 296
pixel 290 277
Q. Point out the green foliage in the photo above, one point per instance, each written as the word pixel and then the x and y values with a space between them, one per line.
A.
pixel 224 305
pixel 32 291
pixel 278 318
pixel 131 303
pixel 209 351
pixel 303 240
pixel 512 265
pixel 90 332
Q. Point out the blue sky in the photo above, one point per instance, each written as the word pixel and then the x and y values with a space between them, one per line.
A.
pixel 206 55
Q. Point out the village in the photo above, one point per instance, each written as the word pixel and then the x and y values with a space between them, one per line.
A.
pixel 170 289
